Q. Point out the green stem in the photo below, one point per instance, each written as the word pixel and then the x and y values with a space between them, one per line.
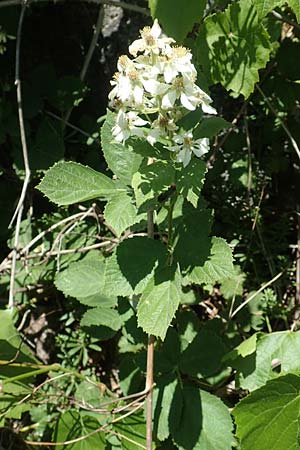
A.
pixel 43 369
pixel 170 228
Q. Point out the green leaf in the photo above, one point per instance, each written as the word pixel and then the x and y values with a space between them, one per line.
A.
pixel 82 279
pixel 12 394
pixel 99 300
pixel 72 425
pixel 12 347
pixel 121 160
pixel 159 302
pixel 209 127
pixel 114 280
pixel 233 46
pixel 268 418
pixel 150 181
pixel 280 349
pixel 295 5
pixel 69 182
pixel 199 420
pixel 190 180
pixel 192 243
pixel 106 317
pixel 162 399
pixel 203 357
pixel 134 428
pixel 137 259
pixel 49 145
pixel 176 18
pixel 217 267
pixel 168 353
pixel 120 213
pixel 263 7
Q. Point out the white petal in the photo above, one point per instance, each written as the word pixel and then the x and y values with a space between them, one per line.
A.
pixel 137 46
pixel 156 30
pixel 208 109
pixel 169 99
pixel 184 156
pixel 138 93
pixel 201 147
pixel 185 101
pixel 169 73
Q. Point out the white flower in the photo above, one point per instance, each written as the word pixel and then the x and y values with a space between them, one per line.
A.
pixel 185 89
pixel 161 128
pixel 152 41
pixel 186 145
pixel 177 61
pixel 128 124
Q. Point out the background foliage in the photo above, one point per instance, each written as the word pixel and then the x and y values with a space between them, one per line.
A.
pixel 71 348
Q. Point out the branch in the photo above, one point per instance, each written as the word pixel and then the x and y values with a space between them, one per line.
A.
pixel 19 210
pixel 241 306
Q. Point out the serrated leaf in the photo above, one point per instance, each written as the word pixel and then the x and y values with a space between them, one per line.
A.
pixel 72 425
pixel 106 317
pixel 82 279
pixel 121 160
pixel 114 280
pixel 159 302
pixel 151 181
pixel 137 259
pixel 219 264
pixel 255 369
pixel 120 213
pixel 233 46
pixel 199 420
pixel 190 180
pixel 269 417
pixel 69 182
pixel 176 18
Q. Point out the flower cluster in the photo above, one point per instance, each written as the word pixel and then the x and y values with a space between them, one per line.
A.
pixel 153 90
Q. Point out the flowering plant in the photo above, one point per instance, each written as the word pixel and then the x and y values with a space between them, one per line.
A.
pixel 154 90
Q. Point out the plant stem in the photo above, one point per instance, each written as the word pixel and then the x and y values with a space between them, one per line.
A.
pixel 149 385
pixel 150 359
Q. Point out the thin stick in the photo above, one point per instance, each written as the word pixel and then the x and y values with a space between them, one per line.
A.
pixel 256 293
pixel 21 117
pixel 19 210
